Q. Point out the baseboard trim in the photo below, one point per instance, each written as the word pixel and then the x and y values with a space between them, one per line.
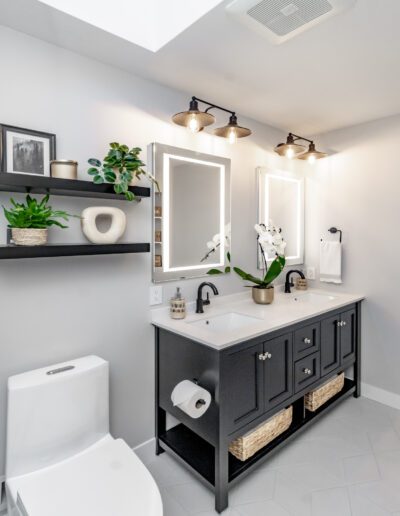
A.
pixel 144 444
pixel 376 394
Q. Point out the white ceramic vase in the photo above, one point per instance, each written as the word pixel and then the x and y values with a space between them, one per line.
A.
pixel 92 232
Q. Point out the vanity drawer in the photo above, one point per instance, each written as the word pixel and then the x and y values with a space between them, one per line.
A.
pixel 306 340
pixel 306 371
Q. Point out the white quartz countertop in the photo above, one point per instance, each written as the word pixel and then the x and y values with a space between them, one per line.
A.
pixel 231 319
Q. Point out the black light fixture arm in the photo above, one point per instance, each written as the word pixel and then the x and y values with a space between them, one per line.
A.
pixel 212 106
pixel 297 137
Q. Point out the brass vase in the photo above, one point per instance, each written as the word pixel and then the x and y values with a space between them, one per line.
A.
pixel 263 296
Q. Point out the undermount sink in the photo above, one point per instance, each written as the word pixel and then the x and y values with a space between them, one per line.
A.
pixel 313 298
pixel 230 321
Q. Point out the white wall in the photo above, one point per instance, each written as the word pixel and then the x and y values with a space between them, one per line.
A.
pixel 57 309
pixel 358 190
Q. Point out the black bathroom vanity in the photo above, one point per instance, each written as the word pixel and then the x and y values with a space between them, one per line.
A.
pixel 249 382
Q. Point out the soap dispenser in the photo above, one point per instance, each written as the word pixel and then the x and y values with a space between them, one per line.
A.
pixel 178 306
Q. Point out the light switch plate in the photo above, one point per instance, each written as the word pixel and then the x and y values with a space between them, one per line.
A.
pixel 310 273
pixel 156 295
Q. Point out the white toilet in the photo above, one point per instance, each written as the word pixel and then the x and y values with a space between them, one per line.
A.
pixel 61 459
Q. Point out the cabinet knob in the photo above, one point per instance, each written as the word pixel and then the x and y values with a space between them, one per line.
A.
pixel 307 371
pixel 268 355
pixel 306 340
pixel 344 323
pixel 339 323
pixel 264 356
pixel 261 356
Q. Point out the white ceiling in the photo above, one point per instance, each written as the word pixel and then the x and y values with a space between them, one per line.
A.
pixel 340 73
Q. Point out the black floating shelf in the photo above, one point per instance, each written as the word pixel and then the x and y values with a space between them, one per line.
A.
pixel 52 250
pixel 26 183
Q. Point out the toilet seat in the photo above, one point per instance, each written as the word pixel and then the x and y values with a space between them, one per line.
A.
pixel 106 480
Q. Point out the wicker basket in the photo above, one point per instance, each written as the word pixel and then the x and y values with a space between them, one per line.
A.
pixel 248 444
pixel 315 399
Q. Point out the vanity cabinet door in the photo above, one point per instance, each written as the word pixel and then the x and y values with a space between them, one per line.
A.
pixel 245 372
pixel 348 336
pixel 278 372
pixel 330 344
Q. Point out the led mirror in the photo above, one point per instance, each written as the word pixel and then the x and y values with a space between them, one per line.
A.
pixel 191 222
pixel 281 199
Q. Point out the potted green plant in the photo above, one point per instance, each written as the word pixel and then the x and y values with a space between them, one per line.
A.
pixel 122 167
pixel 29 221
pixel 270 242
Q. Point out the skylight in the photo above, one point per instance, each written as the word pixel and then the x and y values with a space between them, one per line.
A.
pixel 147 23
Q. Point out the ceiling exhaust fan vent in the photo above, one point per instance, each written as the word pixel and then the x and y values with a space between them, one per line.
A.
pixel 280 20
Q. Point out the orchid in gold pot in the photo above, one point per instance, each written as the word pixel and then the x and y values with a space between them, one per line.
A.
pixel 272 247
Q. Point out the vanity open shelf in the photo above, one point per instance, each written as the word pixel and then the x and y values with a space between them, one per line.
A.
pixel 25 183
pixel 53 250
pixel 199 455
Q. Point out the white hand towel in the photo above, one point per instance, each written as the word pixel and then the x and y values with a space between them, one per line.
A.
pixel 331 262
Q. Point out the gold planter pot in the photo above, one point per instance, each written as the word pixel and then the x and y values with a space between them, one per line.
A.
pixel 29 236
pixel 263 296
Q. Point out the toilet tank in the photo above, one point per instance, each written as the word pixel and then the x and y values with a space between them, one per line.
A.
pixel 55 412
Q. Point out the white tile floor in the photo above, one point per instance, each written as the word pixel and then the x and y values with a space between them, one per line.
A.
pixel 347 464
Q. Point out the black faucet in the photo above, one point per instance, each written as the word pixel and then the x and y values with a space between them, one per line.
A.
pixel 200 302
pixel 288 282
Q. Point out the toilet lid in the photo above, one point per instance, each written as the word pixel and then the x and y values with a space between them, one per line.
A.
pixel 107 480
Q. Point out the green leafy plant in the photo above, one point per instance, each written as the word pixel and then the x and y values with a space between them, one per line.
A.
pixel 34 214
pixel 119 167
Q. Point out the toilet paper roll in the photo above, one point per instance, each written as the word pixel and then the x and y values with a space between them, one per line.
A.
pixel 191 398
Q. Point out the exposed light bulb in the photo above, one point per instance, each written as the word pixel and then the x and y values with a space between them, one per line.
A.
pixel 193 124
pixel 289 153
pixel 232 136
pixel 311 159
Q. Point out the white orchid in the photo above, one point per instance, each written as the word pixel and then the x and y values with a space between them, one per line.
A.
pixel 213 244
pixel 270 240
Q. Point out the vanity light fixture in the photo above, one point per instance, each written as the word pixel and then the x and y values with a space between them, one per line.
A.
pixel 196 120
pixel 292 149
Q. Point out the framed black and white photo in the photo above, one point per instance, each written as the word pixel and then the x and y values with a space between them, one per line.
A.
pixel 25 151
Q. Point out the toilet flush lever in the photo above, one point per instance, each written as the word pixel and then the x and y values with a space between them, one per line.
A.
pixel 60 370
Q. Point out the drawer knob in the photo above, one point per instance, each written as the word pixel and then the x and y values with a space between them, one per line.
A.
pixel 306 340
pixel 307 371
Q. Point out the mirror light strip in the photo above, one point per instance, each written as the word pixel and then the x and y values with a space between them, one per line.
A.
pixel 166 214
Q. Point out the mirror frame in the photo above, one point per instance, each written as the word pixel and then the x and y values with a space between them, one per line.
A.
pixel 298 259
pixel 159 155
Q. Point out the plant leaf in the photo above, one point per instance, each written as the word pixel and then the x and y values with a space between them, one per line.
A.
pixel 275 269
pixel 248 277
pixel 92 171
pixel 98 180
pixel 95 162
pixel 214 272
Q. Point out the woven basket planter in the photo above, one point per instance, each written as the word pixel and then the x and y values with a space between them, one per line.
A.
pixel 315 399
pixel 29 236
pixel 248 444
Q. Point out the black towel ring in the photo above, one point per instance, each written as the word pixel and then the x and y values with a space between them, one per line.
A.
pixel 336 230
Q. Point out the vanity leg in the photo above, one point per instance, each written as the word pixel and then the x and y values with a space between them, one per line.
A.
pixel 357 364
pixel 161 427
pixel 160 414
pixel 221 477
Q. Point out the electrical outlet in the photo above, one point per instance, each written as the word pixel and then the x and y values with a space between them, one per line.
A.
pixel 156 295
pixel 310 273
